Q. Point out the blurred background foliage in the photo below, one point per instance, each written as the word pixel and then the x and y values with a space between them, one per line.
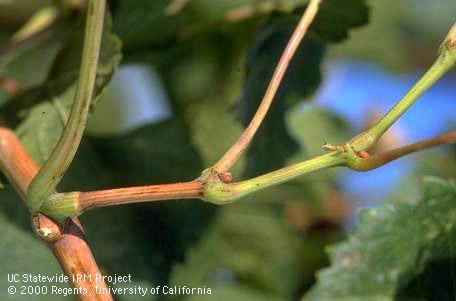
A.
pixel 187 75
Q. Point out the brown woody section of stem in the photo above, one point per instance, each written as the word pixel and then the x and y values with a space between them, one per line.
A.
pixel 374 161
pixel 67 242
pixel 102 198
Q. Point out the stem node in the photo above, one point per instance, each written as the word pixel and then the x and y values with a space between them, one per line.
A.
pixel 45 228
pixel 215 189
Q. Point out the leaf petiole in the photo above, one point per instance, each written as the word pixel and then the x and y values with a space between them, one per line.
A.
pixel 52 171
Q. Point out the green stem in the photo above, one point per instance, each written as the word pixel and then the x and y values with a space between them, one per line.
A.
pixel 52 171
pixel 444 62
pixel 218 192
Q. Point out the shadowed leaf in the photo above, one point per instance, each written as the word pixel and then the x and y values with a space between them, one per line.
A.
pixel 44 122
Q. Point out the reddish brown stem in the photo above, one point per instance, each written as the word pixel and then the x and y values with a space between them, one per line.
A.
pixel 17 166
pixel 236 150
pixel 377 160
pixel 67 242
pixel 102 198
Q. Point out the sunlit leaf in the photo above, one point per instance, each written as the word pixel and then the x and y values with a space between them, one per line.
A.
pixel 400 251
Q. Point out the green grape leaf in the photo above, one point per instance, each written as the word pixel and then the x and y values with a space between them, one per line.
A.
pixel 143 24
pixel 207 12
pixel 65 68
pixel 21 60
pixel 400 251
pixel 203 79
pixel 336 17
pixel 47 107
pixel 166 22
pixel 157 153
pixel 248 245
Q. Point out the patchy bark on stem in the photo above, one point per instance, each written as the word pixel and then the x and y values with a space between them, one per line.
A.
pixel 67 242
pixel 119 196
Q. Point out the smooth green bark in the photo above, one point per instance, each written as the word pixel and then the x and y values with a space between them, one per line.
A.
pixel 52 171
